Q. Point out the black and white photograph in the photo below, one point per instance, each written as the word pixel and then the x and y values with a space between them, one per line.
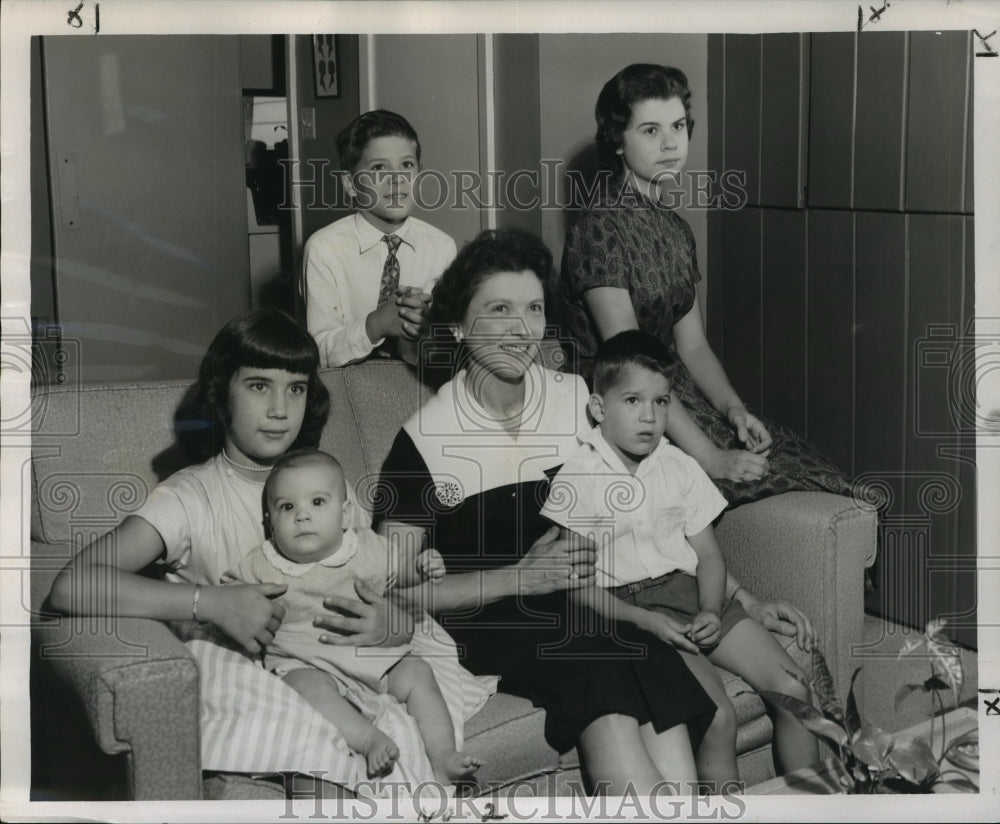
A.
pixel 499 411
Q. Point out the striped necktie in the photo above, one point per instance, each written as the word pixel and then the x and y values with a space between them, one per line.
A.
pixel 390 272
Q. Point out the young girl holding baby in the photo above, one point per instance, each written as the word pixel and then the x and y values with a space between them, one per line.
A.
pixel 257 396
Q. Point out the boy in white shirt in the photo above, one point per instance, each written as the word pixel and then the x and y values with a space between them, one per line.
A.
pixel 649 508
pixel 368 276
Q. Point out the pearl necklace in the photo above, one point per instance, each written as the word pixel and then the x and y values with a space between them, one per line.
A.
pixel 244 466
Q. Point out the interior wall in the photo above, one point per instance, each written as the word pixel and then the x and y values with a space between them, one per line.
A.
pixel 144 142
pixel 573 68
pixel 543 91
pixel 845 285
pixel 332 114
pixel 517 127
pixel 434 82
pixel 43 299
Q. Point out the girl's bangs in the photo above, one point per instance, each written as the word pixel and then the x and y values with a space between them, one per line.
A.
pixel 269 355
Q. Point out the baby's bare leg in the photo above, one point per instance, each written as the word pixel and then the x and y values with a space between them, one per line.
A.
pixel 320 690
pixel 412 682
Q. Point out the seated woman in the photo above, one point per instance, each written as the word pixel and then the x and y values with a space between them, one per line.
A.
pixel 468 474
pixel 629 263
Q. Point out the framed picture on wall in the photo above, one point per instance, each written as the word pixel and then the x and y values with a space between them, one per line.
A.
pixel 326 71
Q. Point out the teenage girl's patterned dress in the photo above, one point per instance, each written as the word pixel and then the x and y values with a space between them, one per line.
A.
pixel 629 242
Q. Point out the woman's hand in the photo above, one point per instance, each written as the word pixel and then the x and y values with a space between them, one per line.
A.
pixel 668 630
pixel 782 617
pixel 736 465
pixel 751 432
pixel 247 613
pixel 555 563
pixel 372 621
pixel 430 565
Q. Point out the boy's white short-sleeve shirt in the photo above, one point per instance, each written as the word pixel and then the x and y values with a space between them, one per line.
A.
pixel 639 522
pixel 343 276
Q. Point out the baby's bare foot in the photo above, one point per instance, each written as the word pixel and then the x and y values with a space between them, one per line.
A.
pixel 455 766
pixel 380 752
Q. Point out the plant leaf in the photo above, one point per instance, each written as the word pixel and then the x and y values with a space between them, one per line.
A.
pixel 852 715
pixel 934 683
pixel 946 663
pixel 872 746
pixel 904 691
pixel 962 784
pixel 914 760
pixel 860 771
pixel 935 629
pixel 909 645
pixel 825 690
pixel 798 676
pixel 811 718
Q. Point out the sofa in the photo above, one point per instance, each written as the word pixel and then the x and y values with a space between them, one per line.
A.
pixel 97 451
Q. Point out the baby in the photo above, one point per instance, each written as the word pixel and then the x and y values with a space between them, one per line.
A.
pixel 315 552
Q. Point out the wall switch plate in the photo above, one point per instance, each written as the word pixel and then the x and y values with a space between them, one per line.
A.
pixel 307 122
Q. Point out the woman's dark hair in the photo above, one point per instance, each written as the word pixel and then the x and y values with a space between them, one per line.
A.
pixel 359 132
pixel 633 84
pixel 261 339
pixel 489 253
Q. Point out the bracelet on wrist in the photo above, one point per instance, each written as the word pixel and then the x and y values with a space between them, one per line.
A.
pixel 194 602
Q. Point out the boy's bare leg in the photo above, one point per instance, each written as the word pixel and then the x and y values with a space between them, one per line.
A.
pixel 320 690
pixel 716 755
pixel 412 682
pixel 751 652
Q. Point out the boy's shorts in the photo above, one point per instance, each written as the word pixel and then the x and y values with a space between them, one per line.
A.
pixel 676 595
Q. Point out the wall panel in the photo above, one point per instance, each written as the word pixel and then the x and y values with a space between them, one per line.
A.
pixel 936 121
pixel 830 340
pixel 888 293
pixel 933 492
pixel 831 119
pixel 743 107
pixel 781 119
pixel 741 302
pixel 878 135
pixel 783 315
pixel 516 87
pixel 881 362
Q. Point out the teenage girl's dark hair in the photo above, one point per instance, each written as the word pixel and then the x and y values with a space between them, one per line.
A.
pixel 260 339
pixel 633 84
pixel 631 348
pixel 489 253
pixel 356 135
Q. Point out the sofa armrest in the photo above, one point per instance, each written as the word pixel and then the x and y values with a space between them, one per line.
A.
pixel 810 549
pixel 138 685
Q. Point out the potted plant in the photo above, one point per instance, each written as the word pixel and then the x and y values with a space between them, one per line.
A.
pixel 871 760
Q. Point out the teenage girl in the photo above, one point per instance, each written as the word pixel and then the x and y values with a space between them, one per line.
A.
pixel 258 395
